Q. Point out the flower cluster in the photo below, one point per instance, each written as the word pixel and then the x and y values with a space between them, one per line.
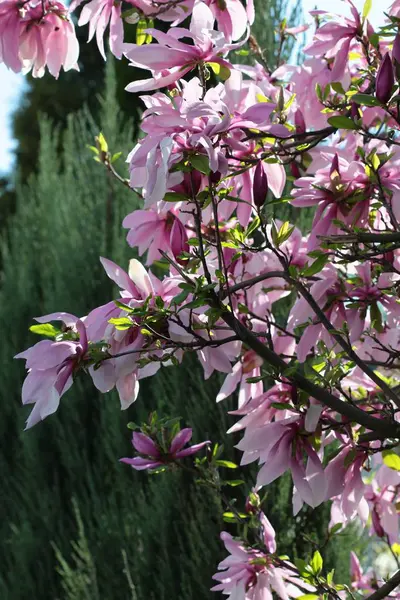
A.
pixel 317 375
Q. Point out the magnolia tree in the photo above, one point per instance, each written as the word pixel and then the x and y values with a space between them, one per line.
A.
pixel 318 392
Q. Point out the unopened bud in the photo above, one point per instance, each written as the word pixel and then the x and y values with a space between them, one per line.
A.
pixel 334 172
pixel 294 169
pixel 260 185
pixel 299 122
pixel 195 177
pixel 253 503
pixel 384 80
pixel 215 177
pixel 354 110
pixel 178 238
pixel 389 257
pixel 376 523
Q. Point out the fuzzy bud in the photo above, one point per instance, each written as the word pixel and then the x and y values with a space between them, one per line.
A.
pixel 260 185
pixel 384 80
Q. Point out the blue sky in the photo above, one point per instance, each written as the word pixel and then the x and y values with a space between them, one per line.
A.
pixel 11 85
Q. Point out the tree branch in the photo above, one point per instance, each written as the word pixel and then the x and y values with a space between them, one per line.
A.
pixel 385 589
pixel 384 426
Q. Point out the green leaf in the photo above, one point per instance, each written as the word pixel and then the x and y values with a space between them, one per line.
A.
pixel 141 35
pixel 201 163
pixel 282 405
pixel 308 597
pixel 231 517
pixel 376 317
pixel 316 563
pixel 391 459
pixel 123 306
pixel 45 329
pixel 365 100
pixel 338 88
pixel 316 266
pixel 284 233
pixel 234 482
pixel 121 323
pixel 366 8
pixel 253 226
pixel 226 463
pixel 101 142
pixel 220 70
pixel 174 197
pixel 336 528
pixel 115 157
pixel 342 122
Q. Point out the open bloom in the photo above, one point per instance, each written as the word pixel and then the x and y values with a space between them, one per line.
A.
pixel 98 14
pixel 154 231
pixel 341 192
pixel 334 39
pixel 34 35
pixel 171 59
pixel 249 574
pixel 152 455
pixel 51 365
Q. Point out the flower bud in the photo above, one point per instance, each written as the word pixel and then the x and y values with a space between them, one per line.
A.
pixel 384 80
pixel 260 185
pixel 253 503
pixel 354 110
pixel 294 169
pixel 376 523
pixel 299 122
pixel 178 238
pixel 215 177
pixel 196 178
pixel 334 172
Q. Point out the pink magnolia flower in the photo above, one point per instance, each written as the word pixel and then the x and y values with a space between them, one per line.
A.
pixel 48 40
pixel 154 456
pixel 333 40
pixel 369 292
pixel 170 59
pixel 346 486
pixel 231 17
pixel 279 446
pixel 394 9
pixel 51 365
pixel 154 231
pixel 340 191
pixel 360 580
pixel 121 372
pixel 329 295
pixel 136 287
pixel 249 574
pixel 244 369
pixel 98 14
pixel 175 12
pixel 10 28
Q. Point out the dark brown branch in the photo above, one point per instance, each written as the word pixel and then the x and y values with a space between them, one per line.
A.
pixel 384 426
pixel 385 589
